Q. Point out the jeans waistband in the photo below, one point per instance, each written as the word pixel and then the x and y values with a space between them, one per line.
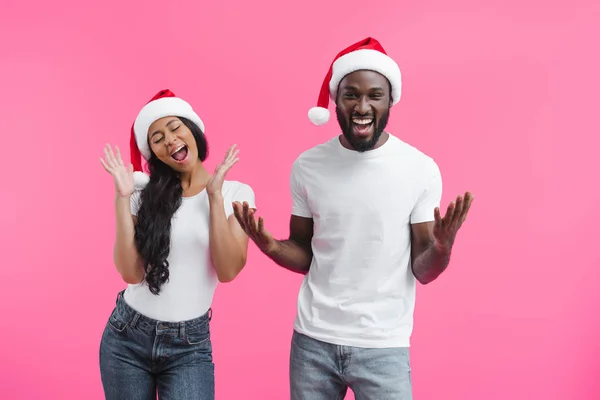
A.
pixel 136 319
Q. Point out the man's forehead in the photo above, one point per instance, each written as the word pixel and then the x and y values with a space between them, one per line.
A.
pixel 365 78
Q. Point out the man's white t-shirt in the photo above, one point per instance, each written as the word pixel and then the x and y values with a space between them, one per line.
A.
pixel 360 289
pixel 188 293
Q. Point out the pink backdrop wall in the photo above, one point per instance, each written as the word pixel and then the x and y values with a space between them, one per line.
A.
pixel 504 96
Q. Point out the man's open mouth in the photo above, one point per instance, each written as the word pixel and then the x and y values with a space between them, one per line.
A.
pixel 362 126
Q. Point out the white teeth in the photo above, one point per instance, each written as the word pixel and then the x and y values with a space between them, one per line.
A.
pixel 177 149
pixel 362 121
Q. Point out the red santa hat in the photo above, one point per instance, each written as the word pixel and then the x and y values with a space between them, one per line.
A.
pixel 163 104
pixel 368 54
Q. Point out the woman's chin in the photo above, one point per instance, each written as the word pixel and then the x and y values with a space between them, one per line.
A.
pixel 186 165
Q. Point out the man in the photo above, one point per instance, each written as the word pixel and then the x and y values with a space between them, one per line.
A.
pixel 365 227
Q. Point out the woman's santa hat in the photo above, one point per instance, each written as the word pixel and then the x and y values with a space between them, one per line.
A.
pixel 163 104
pixel 367 54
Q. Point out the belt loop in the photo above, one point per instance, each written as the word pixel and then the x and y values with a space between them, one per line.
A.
pixel 134 320
pixel 209 314
pixel 182 330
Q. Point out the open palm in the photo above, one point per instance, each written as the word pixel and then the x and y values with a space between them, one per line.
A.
pixel 215 183
pixel 446 228
pixel 255 231
pixel 122 175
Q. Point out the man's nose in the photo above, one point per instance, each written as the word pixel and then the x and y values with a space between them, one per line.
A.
pixel 362 106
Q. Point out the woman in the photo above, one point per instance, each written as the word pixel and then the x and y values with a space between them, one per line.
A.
pixel 176 238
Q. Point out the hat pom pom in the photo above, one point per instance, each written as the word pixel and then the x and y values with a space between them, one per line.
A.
pixel 318 115
pixel 140 180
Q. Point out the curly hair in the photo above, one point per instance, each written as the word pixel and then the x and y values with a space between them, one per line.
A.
pixel 160 199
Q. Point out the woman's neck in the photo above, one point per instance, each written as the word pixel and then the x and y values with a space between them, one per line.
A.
pixel 195 178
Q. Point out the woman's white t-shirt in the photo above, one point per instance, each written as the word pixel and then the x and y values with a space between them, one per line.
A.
pixel 188 293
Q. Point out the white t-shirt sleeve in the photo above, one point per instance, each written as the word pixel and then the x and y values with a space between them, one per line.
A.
pixel 244 193
pixel 431 196
pixel 135 201
pixel 300 206
pixel 241 193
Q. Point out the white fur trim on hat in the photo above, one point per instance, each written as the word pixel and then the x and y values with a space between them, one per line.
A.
pixel 366 59
pixel 140 180
pixel 318 115
pixel 157 109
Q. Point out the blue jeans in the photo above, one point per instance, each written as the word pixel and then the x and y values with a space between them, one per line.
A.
pixel 324 371
pixel 140 356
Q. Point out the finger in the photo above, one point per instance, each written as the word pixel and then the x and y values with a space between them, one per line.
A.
pixel 130 168
pixel 222 169
pixel 253 224
pixel 227 162
pixel 437 216
pixel 226 166
pixel 106 167
pixel 118 157
pixel 261 226
pixel 111 156
pixel 246 215
pixel 108 161
pixel 467 206
pixel 231 164
pixel 237 211
pixel 458 210
pixel 263 234
pixel 228 153
pixel 449 214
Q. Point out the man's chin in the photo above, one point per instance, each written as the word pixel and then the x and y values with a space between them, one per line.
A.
pixel 361 143
pixel 362 140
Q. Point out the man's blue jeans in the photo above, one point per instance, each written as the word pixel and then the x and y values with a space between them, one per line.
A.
pixel 140 356
pixel 323 371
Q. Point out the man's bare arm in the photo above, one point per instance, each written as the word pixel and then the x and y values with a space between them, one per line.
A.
pixel 432 242
pixel 428 260
pixel 294 254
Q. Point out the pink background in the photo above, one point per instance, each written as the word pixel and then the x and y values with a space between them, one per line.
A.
pixel 504 96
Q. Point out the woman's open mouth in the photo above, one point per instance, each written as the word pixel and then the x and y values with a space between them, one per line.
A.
pixel 180 154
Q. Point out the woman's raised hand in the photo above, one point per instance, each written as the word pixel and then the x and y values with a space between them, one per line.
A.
pixel 122 175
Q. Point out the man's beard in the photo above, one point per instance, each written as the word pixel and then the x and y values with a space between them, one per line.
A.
pixel 358 144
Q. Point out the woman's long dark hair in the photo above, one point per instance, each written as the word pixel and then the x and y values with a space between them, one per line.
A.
pixel 159 201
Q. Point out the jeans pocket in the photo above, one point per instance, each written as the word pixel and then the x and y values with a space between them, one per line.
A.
pixel 116 322
pixel 198 335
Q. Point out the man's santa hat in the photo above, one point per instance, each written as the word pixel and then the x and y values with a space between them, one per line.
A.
pixel 163 104
pixel 367 54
